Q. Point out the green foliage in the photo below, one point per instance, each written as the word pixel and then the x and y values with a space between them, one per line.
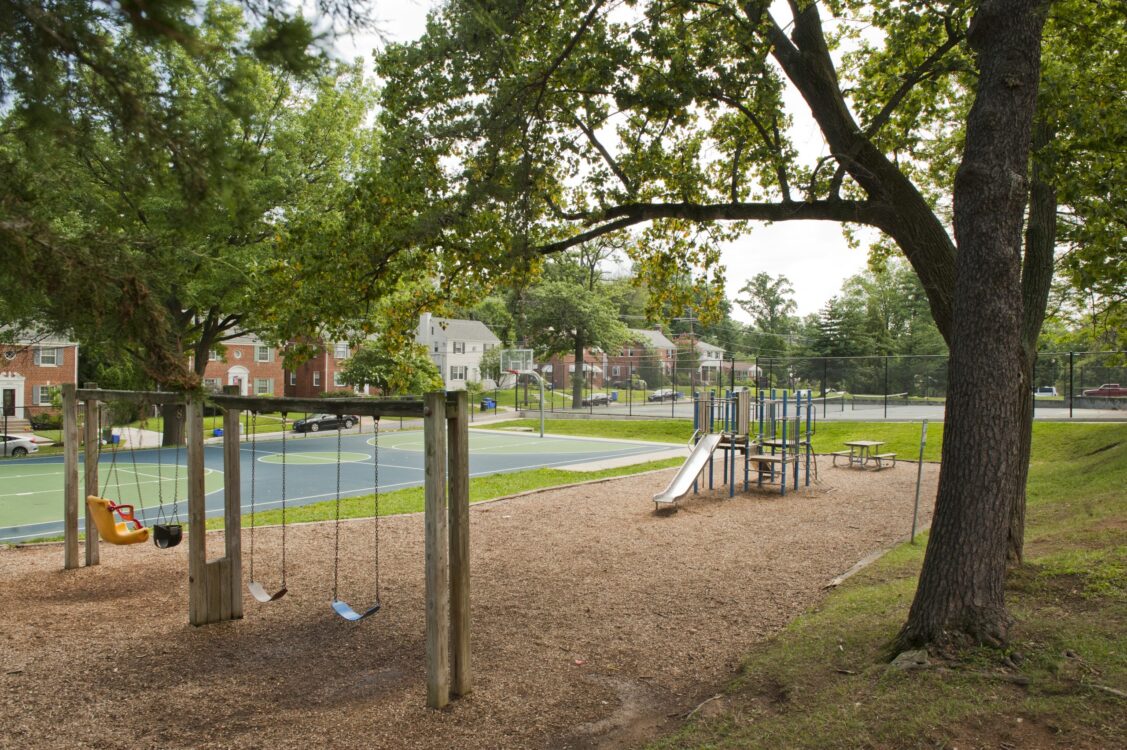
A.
pixel 560 312
pixel 393 368
pixel 491 363
pixel 770 303
pixel 162 244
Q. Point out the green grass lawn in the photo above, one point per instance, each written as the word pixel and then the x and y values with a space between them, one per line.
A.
pixel 824 683
pixel 410 499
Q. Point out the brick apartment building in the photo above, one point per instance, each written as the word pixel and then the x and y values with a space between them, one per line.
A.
pixel 248 362
pixel 31 369
pixel 320 373
pixel 647 353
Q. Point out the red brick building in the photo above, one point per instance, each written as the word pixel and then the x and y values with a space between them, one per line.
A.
pixel 320 373
pixel 31 369
pixel 648 355
pixel 249 363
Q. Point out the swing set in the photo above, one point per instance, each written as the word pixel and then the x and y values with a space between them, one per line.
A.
pixel 166 533
pixel 215 586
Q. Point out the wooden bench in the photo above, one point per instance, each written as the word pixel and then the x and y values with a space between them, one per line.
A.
pixel 881 458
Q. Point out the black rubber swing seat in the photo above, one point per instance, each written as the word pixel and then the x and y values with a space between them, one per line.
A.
pixel 259 592
pixel 166 535
pixel 348 613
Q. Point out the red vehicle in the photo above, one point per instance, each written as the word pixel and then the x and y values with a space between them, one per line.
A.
pixel 1107 389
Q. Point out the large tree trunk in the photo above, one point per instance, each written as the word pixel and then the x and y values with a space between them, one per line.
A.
pixel 579 377
pixel 961 591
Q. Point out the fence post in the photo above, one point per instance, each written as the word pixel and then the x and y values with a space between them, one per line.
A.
pixel 825 373
pixel 1070 372
pixel 886 386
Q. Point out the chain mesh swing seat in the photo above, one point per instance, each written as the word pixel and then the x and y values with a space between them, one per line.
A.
pixel 341 607
pixel 167 532
pixel 101 510
pixel 256 589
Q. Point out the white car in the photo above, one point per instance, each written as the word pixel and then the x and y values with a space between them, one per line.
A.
pixel 17 446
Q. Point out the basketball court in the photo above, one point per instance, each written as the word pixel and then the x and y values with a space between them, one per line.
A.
pixel 31 489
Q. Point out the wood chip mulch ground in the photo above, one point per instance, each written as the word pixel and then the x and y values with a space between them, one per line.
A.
pixel 595 621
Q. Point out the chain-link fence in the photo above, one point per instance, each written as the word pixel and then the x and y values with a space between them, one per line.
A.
pixel 1076 385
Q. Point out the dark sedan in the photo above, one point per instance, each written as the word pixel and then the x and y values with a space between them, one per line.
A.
pixel 318 422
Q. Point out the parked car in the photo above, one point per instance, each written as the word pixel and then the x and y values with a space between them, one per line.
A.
pixel 1046 390
pixel 13 445
pixel 319 422
pixel 665 394
pixel 1107 389
pixel 596 399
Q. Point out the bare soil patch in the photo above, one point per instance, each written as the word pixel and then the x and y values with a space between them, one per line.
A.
pixel 595 622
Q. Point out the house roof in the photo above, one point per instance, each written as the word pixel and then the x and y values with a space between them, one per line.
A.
pixel 653 338
pixel 707 348
pixel 467 330
pixel 18 337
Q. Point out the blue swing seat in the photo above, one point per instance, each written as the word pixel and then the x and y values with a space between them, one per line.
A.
pixel 348 613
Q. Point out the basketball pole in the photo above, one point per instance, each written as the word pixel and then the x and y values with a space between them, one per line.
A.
pixel 540 381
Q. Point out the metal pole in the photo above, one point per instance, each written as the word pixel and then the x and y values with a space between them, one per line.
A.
pixel 886 386
pixel 919 475
pixel 1070 373
pixel 825 377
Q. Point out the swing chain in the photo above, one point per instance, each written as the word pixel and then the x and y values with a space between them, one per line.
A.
pixel 376 503
pixel 253 484
pixel 285 429
pixel 336 525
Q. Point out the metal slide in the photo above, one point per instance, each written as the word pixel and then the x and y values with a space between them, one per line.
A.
pixel 690 470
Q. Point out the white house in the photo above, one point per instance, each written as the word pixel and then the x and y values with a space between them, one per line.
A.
pixel 456 347
pixel 711 361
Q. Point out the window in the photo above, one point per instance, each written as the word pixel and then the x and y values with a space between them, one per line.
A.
pixel 293 377
pixel 459 347
pixel 10 355
pixel 41 395
pixel 212 384
pixel 50 357
pixel 629 352
pixel 263 354
pixel 338 380
pixel 436 347
pixel 213 355
pixel 316 378
pixel 614 371
pixel 486 347
pixel 340 350
pixel 263 386
pixel 457 372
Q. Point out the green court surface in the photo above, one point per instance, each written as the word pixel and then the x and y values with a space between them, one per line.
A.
pixel 30 492
pixel 315 458
pixel 500 443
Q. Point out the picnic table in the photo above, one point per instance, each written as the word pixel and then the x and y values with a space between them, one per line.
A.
pixel 864 453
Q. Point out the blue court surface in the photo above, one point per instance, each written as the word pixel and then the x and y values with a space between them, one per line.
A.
pixel 31 489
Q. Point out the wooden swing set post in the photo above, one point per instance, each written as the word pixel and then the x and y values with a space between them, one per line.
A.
pixel 459 501
pixel 70 476
pixel 214 587
pixel 90 474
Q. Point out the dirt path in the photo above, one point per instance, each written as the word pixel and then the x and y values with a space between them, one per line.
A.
pixel 593 620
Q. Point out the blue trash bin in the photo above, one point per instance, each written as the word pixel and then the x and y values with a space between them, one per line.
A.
pixel 614 395
pixel 217 432
pixel 115 438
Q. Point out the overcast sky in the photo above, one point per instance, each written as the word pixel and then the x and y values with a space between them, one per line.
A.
pixel 813 255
